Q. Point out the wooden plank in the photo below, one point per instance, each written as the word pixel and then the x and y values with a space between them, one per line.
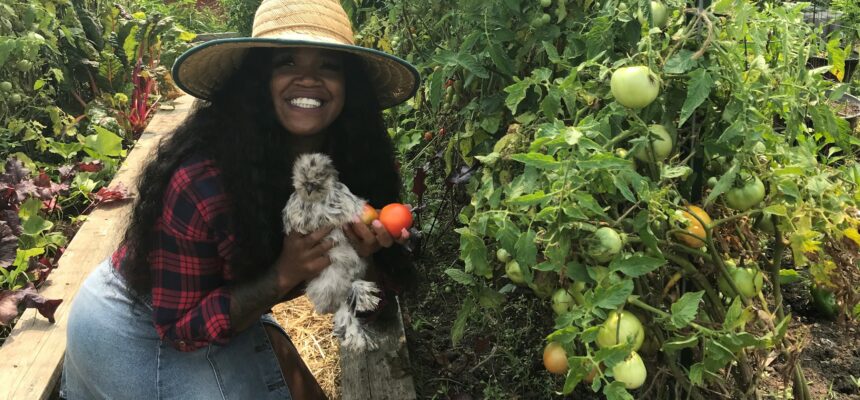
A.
pixel 382 374
pixel 33 354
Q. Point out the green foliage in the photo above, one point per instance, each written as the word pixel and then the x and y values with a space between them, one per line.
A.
pixel 65 79
pixel 240 14
pixel 527 110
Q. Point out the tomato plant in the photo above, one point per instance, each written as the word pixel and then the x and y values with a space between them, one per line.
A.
pixel 599 145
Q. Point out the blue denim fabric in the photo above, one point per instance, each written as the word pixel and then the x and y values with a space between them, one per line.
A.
pixel 113 352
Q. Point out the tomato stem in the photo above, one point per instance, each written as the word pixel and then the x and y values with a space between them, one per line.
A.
pixel 775 266
pixel 734 217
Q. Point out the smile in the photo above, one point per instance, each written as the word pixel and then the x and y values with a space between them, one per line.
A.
pixel 306 102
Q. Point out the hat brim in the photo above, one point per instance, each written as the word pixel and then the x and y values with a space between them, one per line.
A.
pixel 201 70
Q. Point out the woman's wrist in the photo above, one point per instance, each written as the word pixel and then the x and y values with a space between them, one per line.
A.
pixel 249 300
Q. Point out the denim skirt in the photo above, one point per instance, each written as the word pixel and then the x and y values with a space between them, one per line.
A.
pixel 114 352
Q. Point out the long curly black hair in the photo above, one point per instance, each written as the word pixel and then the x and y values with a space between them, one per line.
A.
pixel 238 130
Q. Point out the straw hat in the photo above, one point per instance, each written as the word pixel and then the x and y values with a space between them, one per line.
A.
pixel 294 23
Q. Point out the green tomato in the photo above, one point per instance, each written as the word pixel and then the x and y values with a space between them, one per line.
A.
pixel 541 20
pixel 545 3
pixel 712 182
pixel 634 87
pixel 659 13
pixel 562 301
pixel 5 86
pixel 604 244
pixel 24 65
pixel 502 255
pixel 543 284
pixel 745 197
pixel 631 371
pixel 824 301
pixel 748 280
pixel 514 272
pixel 16 99
pixel 661 145
pixel 627 328
pixel 505 177
pixel 764 223
pixel 621 152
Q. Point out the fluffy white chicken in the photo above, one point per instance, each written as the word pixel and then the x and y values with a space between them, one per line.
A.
pixel 321 200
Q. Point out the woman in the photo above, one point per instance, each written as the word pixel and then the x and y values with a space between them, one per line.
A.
pixel 181 309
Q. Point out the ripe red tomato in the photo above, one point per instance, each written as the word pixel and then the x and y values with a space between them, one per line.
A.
pixel 395 217
pixel 368 214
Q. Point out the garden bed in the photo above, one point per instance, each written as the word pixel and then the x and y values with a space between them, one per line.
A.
pixel 35 346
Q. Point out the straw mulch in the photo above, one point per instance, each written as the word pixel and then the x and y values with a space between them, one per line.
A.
pixel 312 335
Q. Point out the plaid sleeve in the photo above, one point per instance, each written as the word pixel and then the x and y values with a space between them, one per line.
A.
pixel 191 304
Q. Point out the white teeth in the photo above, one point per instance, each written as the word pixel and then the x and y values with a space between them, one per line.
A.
pixel 305 102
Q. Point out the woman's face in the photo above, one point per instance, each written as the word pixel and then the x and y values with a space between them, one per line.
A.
pixel 307 88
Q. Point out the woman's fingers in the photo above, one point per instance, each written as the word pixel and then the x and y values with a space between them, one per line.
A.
pixel 382 235
pixel 319 263
pixel 314 237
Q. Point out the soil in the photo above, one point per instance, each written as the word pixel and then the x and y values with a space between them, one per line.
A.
pixel 831 357
pixel 845 109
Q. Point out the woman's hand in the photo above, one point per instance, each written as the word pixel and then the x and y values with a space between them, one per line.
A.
pixel 303 257
pixel 367 240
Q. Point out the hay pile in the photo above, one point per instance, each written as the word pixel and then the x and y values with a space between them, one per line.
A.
pixel 311 333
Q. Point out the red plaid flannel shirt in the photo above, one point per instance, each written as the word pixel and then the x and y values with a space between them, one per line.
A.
pixel 190 274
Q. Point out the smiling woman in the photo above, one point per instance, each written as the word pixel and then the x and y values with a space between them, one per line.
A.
pixel 185 300
pixel 308 89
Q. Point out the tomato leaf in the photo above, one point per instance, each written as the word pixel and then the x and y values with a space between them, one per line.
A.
pixel 617 391
pixel 532 199
pixel 465 60
pixel 460 276
pixel 474 253
pixel 680 62
pixel 459 327
pixel 500 59
pixel 613 296
pixel 643 228
pixel 724 184
pixel 698 89
pixel 636 266
pixel 685 309
pixel 537 160
pixel 525 250
pixel 516 94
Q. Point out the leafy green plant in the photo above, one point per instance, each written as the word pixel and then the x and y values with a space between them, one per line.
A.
pixel 522 92
pixel 68 71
